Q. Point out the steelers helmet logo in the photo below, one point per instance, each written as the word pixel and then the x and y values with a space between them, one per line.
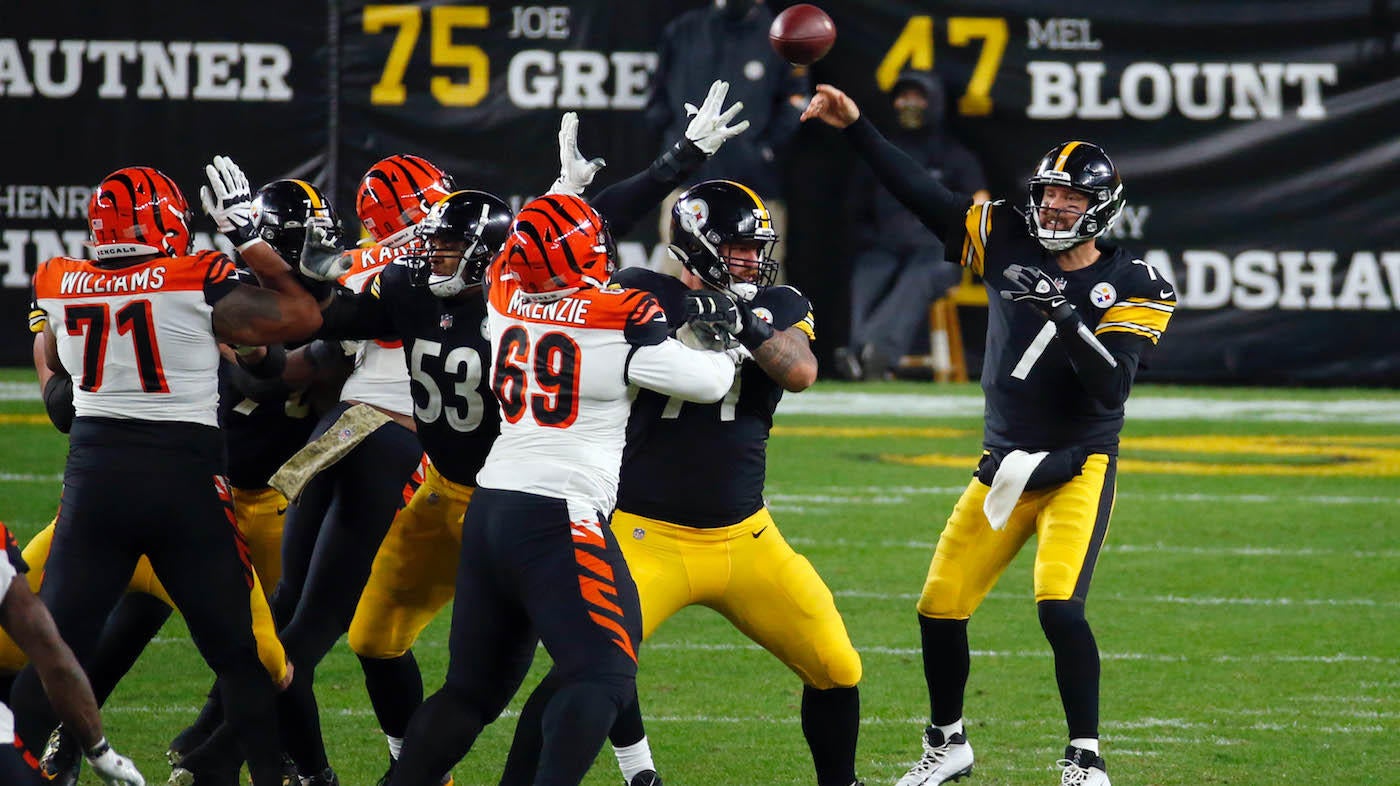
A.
pixel 1103 294
pixel 695 213
pixel 764 314
pixel 639 533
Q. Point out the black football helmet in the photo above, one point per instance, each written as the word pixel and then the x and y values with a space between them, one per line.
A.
pixel 1083 167
pixel 465 227
pixel 716 212
pixel 283 209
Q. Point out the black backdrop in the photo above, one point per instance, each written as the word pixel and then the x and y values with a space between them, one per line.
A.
pixel 1257 139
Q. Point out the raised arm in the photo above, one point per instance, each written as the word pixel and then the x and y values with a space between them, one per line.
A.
pixel 625 203
pixel 938 208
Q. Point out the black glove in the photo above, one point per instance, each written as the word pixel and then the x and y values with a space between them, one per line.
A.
pixel 712 317
pixel 752 329
pixel 1036 288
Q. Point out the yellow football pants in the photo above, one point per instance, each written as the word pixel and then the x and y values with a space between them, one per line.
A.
pixel 748 573
pixel 415 571
pixel 1070 521
pixel 261 513
pixel 143 579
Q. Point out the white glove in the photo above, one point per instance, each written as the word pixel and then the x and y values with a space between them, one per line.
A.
pixel 229 201
pixel 707 127
pixel 322 259
pixel 575 172
pixel 113 768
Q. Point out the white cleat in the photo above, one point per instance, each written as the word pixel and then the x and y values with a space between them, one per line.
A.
pixel 943 761
pixel 1082 768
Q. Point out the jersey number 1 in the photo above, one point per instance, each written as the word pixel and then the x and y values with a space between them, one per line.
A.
pixel 556 371
pixel 91 320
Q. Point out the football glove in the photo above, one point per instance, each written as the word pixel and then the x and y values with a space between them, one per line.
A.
pixel 708 129
pixel 322 258
pixel 229 201
pixel 752 330
pixel 113 768
pixel 575 171
pixel 1035 287
pixel 711 318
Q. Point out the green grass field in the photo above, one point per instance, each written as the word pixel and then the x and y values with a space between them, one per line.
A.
pixel 1247 605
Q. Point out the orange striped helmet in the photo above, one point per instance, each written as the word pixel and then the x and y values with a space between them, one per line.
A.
pixel 558 245
pixel 396 193
pixel 138 210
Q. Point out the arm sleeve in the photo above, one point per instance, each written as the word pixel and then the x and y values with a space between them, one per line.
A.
pixel 220 278
pixel 673 369
pixel 941 210
pixel 1110 383
pixel 625 203
pixel 355 316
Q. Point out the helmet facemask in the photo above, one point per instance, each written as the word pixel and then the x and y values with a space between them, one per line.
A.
pixel 717 269
pixel 463 256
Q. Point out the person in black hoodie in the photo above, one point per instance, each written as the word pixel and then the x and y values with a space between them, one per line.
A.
pixel 729 40
pixel 899 269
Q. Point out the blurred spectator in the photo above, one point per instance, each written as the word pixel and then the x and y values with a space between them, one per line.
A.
pixel 900 269
pixel 729 40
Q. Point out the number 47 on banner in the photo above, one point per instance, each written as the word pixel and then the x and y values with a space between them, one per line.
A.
pixel 914 49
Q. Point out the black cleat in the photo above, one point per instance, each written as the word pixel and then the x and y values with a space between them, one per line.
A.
pixel 645 778
pixel 326 777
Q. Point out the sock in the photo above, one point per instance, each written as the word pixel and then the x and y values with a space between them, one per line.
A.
pixel 634 758
pixel 831 724
pixel 956 727
pixel 947 662
pixel 1086 743
pixel 395 746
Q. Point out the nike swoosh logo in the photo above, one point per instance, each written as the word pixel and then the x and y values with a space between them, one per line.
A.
pixel 280 511
pixel 760 531
pixel 1166 293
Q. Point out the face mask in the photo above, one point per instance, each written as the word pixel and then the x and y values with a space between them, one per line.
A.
pixel 734 10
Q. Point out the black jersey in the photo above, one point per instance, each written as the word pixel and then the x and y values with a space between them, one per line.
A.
pixel 1035 400
pixel 448 357
pixel 703 465
pixel 260 435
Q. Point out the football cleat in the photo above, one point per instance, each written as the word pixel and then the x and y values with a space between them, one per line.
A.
pixel 183 777
pixel 1082 768
pixel 645 778
pixel 189 739
pixel 62 761
pixel 943 761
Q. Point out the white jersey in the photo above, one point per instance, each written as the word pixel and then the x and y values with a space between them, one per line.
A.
pixel 563 373
pixel 138 340
pixel 380 376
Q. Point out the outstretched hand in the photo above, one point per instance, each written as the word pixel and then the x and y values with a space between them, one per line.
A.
pixel 575 171
pixel 832 107
pixel 709 127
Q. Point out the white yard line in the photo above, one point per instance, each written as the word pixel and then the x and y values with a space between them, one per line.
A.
pixel 943 405
pixel 1116 548
pixel 1181 600
pixel 889 495
pixel 24 477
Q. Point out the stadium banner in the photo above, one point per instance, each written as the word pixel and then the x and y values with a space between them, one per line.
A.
pixel 144 82
pixel 1252 136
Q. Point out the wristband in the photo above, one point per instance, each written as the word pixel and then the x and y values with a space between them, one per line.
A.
pixel 99 749
pixel 249 244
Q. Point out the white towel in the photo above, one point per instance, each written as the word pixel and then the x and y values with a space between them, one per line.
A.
pixel 1007 486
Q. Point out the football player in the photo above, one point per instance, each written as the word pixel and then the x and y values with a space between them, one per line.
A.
pixel 362 454
pixel 536 560
pixel 25 618
pixel 432 300
pixel 1072 318
pixel 675 525
pixel 264 419
pixel 139 330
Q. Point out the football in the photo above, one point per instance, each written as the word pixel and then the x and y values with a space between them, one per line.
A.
pixel 802 34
